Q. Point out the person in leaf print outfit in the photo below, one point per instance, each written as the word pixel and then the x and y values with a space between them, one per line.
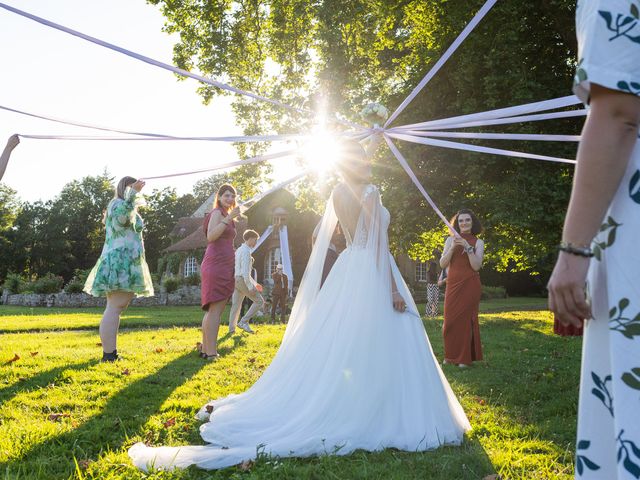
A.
pixel 600 241
pixel 121 271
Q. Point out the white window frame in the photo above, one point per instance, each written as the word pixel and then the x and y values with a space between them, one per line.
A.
pixel 190 267
pixel 420 271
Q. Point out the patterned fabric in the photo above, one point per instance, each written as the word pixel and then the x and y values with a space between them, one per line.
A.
pixel 122 265
pixel 608 443
pixel 433 295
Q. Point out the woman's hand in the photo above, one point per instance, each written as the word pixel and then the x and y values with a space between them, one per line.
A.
pixel 567 289
pixel 460 241
pixel 13 141
pixel 138 185
pixel 235 213
pixel 398 302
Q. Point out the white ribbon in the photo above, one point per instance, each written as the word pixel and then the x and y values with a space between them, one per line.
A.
pixel 157 63
pixel 527 108
pixel 452 48
pixel 256 198
pixel 417 183
pixel 263 237
pixel 285 256
pixel 259 158
pixel 477 148
pixel 496 136
pixel 233 139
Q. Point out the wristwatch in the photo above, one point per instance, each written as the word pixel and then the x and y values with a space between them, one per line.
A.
pixel 469 249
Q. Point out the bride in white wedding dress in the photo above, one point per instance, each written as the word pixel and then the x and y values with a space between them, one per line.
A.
pixel 355 369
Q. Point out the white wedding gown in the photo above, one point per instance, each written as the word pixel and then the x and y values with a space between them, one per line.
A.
pixel 351 373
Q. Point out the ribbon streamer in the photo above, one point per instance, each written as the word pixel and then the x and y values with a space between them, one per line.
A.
pixel 234 139
pixel 477 148
pixel 160 64
pixel 442 60
pixel 417 183
pixel 259 158
pixel 496 136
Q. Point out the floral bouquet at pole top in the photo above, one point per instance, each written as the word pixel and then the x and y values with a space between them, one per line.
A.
pixel 374 113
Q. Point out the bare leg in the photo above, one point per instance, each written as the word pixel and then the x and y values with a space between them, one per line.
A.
pixel 117 302
pixel 210 327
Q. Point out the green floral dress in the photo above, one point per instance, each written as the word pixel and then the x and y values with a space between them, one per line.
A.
pixel 122 265
pixel 608 443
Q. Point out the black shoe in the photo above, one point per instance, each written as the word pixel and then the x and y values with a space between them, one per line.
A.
pixel 110 357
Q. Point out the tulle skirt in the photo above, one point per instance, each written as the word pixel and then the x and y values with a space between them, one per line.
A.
pixel 355 374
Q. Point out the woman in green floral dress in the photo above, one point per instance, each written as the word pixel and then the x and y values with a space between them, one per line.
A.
pixel 121 271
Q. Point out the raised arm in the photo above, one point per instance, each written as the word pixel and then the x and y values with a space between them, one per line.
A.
pixel 12 143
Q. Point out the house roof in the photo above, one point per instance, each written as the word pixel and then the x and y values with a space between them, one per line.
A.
pixel 186 226
pixel 193 241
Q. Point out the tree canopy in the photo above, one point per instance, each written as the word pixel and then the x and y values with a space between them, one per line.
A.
pixel 336 56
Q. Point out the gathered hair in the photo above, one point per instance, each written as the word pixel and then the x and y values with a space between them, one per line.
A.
pixel 476 226
pixel 122 186
pixel 224 188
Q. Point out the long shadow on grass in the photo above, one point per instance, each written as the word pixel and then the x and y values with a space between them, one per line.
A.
pixel 40 380
pixel 124 414
pixel 528 374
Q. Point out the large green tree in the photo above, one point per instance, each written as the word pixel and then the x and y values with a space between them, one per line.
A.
pixel 338 55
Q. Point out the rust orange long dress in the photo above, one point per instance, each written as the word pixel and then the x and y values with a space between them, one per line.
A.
pixel 461 331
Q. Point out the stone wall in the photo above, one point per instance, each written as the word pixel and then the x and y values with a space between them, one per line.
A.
pixel 182 296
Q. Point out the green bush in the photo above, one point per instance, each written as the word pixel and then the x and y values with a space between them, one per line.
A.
pixel 192 280
pixel 171 284
pixel 489 292
pixel 48 284
pixel 76 284
pixel 14 283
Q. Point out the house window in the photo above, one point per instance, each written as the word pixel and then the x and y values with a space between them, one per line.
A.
pixel 271 261
pixel 421 271
pixel 190 266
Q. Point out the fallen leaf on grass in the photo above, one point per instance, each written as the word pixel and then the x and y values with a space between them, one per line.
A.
pixel 209 408
pixel 33 354
pixel 99 344
pixel 126 372
pixel 246 465
pixel 480 400
pixel 15 358
pixel 169 423
pixel 159 350
pixel 55 417
pixel 84 464
pixel 186 428
pixel 252 360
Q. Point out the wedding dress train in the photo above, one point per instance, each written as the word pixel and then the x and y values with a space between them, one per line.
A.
pixel 351 373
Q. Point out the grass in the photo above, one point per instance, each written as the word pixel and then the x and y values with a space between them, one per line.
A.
pixel 64 415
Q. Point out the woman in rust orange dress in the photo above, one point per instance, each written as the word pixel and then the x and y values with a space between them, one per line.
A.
pixel 462 257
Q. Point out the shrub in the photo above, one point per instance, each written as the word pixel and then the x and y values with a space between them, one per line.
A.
pixel 489 292
pixel 192 280
pixel 48 284
pixel 14 283
pixel 76 284
pixel 171 284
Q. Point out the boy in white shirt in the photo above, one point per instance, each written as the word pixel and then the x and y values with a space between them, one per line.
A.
pixel 246 286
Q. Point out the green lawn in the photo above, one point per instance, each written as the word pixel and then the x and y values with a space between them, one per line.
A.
pixel 65 415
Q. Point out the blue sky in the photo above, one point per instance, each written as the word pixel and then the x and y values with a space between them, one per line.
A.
pixel 54 74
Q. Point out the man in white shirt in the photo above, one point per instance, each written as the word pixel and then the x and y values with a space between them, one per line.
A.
pixel 246 286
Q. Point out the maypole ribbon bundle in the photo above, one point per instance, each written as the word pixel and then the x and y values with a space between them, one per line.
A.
pixel 426 133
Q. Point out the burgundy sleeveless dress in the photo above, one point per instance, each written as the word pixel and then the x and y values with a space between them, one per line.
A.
pixel 218 264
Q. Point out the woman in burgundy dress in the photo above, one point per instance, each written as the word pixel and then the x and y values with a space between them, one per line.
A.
pixel 462 256
pixel 217 267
